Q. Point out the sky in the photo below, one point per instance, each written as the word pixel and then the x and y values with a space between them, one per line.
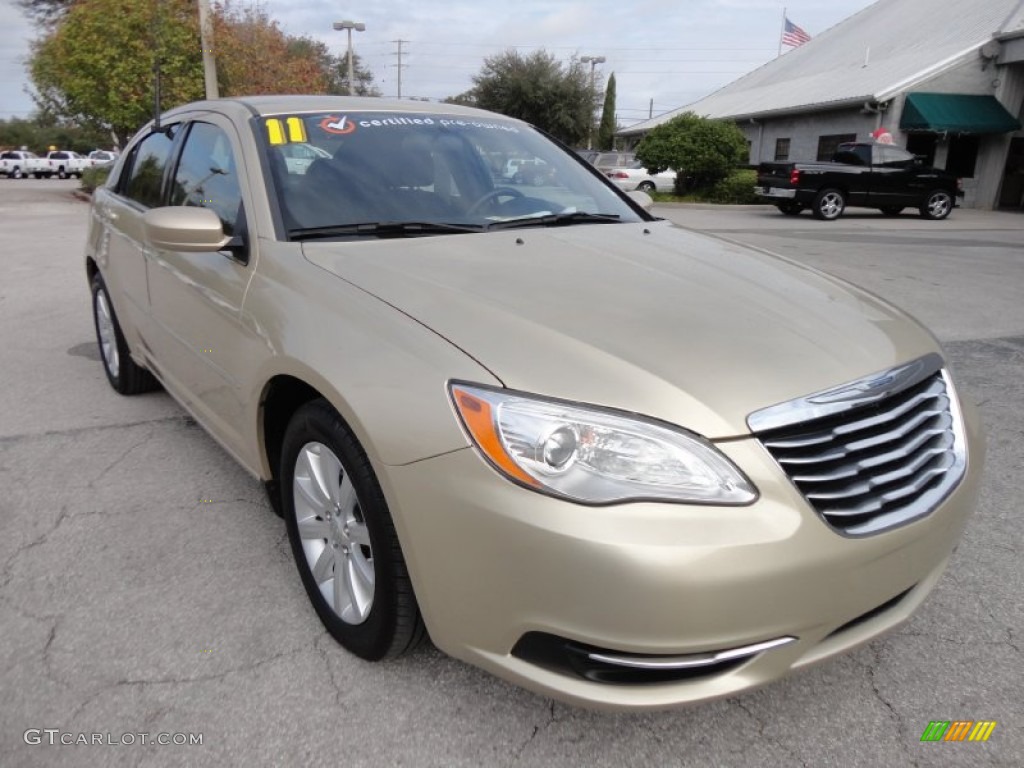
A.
pixel 668 53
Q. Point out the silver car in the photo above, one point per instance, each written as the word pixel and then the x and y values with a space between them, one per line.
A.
pixel 599 455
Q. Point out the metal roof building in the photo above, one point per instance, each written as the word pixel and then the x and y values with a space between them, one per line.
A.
pixel 946 79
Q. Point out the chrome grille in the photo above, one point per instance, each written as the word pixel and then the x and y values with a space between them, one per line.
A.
pixel 880 463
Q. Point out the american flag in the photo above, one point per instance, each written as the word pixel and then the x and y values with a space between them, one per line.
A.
pixel 794 36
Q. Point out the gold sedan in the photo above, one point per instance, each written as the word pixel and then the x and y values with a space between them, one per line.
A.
pixel 599 455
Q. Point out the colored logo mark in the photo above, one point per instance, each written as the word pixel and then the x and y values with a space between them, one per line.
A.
pixel 958 730
pixel 337 125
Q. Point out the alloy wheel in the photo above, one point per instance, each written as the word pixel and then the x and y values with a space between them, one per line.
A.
pixel 108 337
pixel 335 539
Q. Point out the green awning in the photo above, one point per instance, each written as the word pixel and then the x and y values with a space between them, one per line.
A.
pixel 956 113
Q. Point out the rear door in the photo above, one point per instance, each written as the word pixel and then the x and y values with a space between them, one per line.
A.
pixel 121 249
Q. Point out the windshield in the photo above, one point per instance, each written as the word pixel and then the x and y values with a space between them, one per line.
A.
pixel 332 172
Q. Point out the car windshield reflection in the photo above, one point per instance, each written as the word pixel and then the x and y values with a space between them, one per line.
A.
pixel 405 174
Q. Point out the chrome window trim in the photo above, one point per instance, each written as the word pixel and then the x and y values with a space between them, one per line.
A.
pixel 862 391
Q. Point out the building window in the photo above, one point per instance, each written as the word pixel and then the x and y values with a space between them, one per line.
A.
pixel 963 154
pixel 828 145
pixel 781 150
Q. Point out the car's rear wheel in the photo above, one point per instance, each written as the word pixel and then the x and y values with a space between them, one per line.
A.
pixel 938 204
pixel 829 204
pixel 343 538
pixel 892 210
pixel 61 173
pixel 790 208
pixel 16 173
pixel 124 375
pixel 646 186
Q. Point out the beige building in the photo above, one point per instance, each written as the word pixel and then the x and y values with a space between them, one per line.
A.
pixel 946 79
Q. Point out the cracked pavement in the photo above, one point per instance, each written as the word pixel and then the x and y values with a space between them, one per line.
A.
pixel 146 586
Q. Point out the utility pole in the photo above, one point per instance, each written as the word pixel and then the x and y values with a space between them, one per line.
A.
pixel 650 110
pixel 206 40
pixel 593 61
pixel 399 65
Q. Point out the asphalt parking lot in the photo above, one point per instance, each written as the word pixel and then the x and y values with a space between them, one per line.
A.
pixel 146 587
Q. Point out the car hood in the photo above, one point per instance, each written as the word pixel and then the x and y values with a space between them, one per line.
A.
pixel 649 317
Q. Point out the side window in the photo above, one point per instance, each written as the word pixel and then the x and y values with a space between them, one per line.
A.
pixel 207 175
pixel 146 169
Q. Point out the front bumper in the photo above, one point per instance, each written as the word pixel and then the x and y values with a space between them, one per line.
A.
pixel 493 563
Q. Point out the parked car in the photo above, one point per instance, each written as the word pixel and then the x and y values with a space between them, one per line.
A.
pixel 638 177
pixel 607 161
pixel 101 157
pixel 860 174
pixel 299 156
pixel 535 172
pixel 63 164
pixel 18 163
pixel 604 457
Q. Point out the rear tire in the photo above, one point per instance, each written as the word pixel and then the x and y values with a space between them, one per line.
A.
pixel 17 174
pixel 61 173
pixel 343 538
pixel 645 186
pixel 124 375
pixel 938 204
pixel 829 204
pixel 790 208
pixel 892 210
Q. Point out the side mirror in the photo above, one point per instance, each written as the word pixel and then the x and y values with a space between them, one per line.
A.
pixel 184 228
pixel 642 199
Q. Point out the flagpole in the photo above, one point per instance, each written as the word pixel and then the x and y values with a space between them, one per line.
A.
pixel 782 31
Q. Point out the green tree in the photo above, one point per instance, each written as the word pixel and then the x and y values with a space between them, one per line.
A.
pixel 700 150
pixel 606 129
pixel 93 65
pixel 536 88
pixel 96 65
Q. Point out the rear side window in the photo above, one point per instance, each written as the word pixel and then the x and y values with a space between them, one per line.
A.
pixel 146 169
pixel 207 175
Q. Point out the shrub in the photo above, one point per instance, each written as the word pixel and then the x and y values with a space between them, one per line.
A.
pixel 735 189
pixel 703 150
pixel 94 177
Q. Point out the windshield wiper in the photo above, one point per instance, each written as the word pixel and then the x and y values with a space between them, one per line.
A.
pixel 556 220
pixel 382 228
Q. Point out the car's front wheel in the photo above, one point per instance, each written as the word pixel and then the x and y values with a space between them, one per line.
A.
pixel 124 375
pixel 938 204
pixel 343 538
pixel 16 173
pixel 829 204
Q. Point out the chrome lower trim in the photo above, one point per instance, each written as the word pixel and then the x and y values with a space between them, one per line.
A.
pixel 865 390
pixel 689 661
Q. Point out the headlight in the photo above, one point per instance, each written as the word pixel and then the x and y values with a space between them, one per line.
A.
pixel 593 455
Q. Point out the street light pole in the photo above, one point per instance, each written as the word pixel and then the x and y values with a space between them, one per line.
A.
pixel 593 61
pixel 358 26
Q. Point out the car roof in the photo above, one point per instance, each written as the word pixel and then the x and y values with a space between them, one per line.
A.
pixel 243 107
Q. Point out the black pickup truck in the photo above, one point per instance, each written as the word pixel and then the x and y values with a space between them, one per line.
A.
pixel 879 176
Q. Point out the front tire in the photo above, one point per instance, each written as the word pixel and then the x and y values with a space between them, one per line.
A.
pixel 791 208
pixel 61 173
pixel 343 538
pixel 938 204
pixel 829 204
pixel 17 174
pixel 124 375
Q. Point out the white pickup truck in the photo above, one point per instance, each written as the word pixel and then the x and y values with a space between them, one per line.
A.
pixel 18 164
pixel 64 163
